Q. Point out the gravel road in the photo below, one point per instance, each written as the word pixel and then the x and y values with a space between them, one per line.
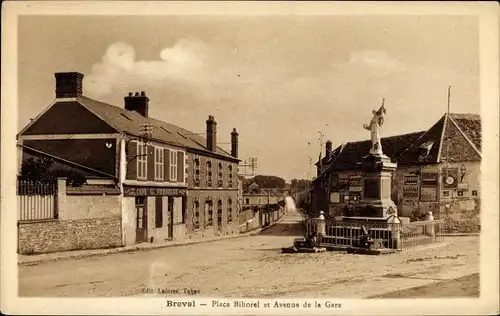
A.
pixel 251 267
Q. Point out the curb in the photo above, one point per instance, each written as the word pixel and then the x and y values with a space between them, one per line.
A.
pixel 137 248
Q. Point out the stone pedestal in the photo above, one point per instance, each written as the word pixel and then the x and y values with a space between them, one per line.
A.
pixel 376 203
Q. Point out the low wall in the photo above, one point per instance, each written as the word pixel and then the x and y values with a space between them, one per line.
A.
pixel 62 235
pixel 260 219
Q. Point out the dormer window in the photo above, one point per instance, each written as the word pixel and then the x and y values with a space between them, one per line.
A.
pixel 425 149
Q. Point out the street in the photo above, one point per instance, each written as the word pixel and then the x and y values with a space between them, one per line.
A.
pixel 251 267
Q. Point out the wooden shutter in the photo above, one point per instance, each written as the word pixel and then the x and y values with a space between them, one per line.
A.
pixel 151 162
pixel 166 161
pixel 131 160
pixel 180 166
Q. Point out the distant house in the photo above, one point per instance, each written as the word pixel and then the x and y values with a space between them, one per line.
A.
pixel 171 183
pixel 438 171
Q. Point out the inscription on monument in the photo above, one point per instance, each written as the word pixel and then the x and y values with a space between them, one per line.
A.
pixel 372 189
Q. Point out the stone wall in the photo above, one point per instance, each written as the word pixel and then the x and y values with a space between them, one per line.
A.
pixel 84 222
pixel 62 235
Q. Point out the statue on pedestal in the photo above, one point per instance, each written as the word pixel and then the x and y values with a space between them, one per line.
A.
pixel 373 127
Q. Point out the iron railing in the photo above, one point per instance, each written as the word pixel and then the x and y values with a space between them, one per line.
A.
pixel 395 236
pixel 36 201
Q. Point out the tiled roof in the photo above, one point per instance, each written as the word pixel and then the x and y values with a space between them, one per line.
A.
pixel 130 122
pixel 415 148
pixel 470 125
pixel 353 152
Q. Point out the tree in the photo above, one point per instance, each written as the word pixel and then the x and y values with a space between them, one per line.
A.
pixel 268 182
pixel 37 170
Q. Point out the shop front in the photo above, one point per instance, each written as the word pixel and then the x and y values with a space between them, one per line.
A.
pixel 154 214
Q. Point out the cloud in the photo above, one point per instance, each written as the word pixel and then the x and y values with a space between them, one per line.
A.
pixel 119 69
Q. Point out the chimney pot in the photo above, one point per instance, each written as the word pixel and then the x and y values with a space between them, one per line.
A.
pixel 328 150
pixel 143 93
pixel 234 143
pixel 137 102
pixel 69 84
pixel 211 134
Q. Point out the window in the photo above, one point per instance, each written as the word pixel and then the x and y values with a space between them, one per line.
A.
pixel 173 165
pixel 247 201
pixel 220 175
pixel 159 163
pixel 209 173
pixel 230 175
pixel 197 172
pixel 158 212
pixel 196 215
pixel 142 161
pixel 209 214
pixel 229 211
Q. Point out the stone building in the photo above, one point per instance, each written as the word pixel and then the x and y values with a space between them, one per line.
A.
pixel 171 183
pixel 438 170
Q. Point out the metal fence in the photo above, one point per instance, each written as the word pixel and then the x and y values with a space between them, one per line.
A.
pixel 395 236
pixel 36 201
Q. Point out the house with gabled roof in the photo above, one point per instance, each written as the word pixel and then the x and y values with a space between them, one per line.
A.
pixel 171 183
pixel 438 171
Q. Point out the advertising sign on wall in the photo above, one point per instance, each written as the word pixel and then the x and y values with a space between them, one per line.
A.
pixel 410 192
pixel 450 178
pixel 428 194
pixel 410 180
pixel 429 179
pixel 355 184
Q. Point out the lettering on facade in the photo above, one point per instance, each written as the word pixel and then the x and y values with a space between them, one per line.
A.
pixel 153 191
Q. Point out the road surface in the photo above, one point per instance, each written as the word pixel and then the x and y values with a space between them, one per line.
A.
pixel 250 267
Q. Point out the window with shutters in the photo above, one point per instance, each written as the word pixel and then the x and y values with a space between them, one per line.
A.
pixel 159 163
pixel 196 215
pixel 209 173
pixel 219 177
pixel 229 211
pixel 173 165
pixel 210 214
pixel 230 175
pixel 197 171
pixel 142 161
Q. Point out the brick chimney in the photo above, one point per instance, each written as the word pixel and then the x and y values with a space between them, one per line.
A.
pixel 211 134
pixel 234 143
pixel 328 150
pixel 137 102
pixel 68 84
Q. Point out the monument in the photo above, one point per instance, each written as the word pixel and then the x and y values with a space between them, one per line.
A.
pixel 376 203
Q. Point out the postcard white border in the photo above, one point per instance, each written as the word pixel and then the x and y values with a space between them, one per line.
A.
pixel 487 13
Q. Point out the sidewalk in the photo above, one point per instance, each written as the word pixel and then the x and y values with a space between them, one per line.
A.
pixel 77 254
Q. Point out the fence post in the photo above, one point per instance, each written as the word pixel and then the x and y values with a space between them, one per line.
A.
pixel 431 231
pixel 395 225
pixel 60 208
pixel 321 227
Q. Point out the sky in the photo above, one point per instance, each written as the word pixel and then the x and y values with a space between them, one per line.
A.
pixel 280 80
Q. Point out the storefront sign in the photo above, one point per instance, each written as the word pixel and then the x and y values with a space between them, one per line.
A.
pixel 410 180
pixel 429 179
pixel 335 197
pixel 343 183
pixel 153 191
pixel 410 192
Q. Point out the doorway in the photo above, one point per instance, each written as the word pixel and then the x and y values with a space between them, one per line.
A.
pixel 219 216
pixel 170 222
pixel 141 227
